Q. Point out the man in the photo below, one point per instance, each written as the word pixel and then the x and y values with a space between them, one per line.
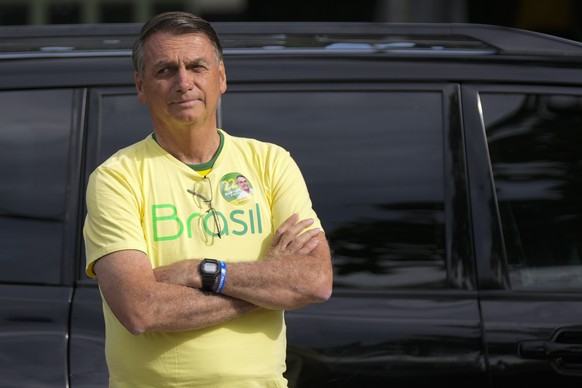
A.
pixel 194 282
pixel 244 186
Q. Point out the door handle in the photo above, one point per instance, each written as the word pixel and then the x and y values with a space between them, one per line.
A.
pixel 563 351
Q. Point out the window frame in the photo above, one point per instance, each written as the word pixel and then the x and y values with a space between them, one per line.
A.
pixel 92 140
pixel 490 249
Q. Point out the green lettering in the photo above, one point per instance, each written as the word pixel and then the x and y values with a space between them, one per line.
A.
pixel 244 229
pixel 252 221
pixel 165 220
pixel 260 224
pixel 222 224
pixel 189 223
pixel 172 217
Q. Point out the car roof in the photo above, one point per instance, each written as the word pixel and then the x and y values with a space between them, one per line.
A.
pixel 318 38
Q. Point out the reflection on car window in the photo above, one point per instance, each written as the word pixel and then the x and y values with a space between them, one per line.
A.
pixel 373 162
pixel 124 121
pixel 34 137
pixel 535 142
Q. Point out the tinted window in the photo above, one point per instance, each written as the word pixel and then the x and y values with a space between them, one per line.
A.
pixel 374 164
pixel 535 142
pixel 123 121
pixel 34 137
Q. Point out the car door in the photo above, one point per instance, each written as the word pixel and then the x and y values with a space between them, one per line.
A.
pixel 39 139
pixel 115 119
pixel 526 141
pixel 385 168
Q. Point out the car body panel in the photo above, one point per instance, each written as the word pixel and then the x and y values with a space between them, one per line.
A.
pixel 34 328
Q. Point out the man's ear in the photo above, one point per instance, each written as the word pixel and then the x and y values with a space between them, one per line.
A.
pixel 222 72
pixel 139 86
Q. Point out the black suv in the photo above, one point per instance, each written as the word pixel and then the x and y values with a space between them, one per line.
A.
pixel 445 162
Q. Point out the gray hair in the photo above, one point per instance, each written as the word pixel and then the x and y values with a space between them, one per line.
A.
pixel 177 23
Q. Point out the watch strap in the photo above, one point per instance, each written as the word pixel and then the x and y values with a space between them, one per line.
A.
pixel 221 278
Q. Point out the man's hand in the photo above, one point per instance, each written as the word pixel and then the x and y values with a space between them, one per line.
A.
pixel 289 240
pixel 296 270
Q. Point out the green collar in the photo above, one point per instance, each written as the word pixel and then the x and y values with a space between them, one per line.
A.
pixel 208 165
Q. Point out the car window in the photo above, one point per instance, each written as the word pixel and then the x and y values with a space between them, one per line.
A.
pixel 373 161
pixel 123 121
pixel 535 144
pixel 34 135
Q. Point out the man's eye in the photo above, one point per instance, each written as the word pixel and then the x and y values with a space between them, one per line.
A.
pixel 164 71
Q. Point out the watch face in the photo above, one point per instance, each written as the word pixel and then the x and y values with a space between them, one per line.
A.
pixel 210 267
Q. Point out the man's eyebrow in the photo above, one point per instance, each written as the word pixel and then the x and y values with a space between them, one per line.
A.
pixel 195 61
pixel 198 61
pixel 163 63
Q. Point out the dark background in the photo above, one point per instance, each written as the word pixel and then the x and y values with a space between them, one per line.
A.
pixel 557 17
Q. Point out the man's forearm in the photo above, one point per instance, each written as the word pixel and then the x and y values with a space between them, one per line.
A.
pixel 285 282
pixel 280 281
pixel 295 271
pixel 190 309
pixel 142 304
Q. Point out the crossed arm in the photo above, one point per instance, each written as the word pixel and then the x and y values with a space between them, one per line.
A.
pixel 296 271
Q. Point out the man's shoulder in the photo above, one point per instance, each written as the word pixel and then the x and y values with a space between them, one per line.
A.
pixel 131 153
pixel 247 144
pixel 126 161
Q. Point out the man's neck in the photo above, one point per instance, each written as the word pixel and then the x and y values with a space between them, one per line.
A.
pixel 196 146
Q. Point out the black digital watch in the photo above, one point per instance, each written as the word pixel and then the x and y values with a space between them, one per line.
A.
pixel 209 270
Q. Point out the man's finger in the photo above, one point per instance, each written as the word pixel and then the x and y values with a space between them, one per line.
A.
pixel 306 243
pixel 289 222
pixel 292 232
pixel 309 246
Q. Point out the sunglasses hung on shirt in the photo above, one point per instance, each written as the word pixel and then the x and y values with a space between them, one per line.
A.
pixel 207 199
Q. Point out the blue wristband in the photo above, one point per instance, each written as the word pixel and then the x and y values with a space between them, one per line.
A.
pixel 221 278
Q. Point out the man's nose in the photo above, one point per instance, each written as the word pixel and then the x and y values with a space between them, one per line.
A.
pixel 184 81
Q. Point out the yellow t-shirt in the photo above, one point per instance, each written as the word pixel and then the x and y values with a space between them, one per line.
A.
pixel 141 199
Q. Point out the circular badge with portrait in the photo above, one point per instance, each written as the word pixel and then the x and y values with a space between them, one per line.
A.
pixel 236 188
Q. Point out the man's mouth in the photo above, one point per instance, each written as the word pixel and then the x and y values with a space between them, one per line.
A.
pixel 185 101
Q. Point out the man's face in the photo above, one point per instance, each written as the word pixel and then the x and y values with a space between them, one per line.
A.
pixel 182 80
pixel 243 184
